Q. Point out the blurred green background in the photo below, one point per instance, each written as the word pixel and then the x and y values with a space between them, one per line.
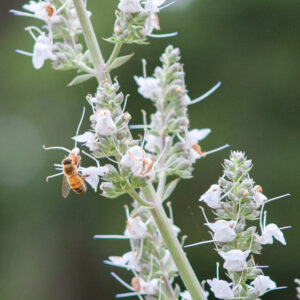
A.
pixel 252 46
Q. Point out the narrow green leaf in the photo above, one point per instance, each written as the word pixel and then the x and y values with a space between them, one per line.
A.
pixel 119 61
pixel 80 78
pixel 170 188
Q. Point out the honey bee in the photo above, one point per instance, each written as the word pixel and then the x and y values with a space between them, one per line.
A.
pixel 72 180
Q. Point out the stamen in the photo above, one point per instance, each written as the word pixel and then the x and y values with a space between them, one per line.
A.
pixel 285 227
pixel 20 13
pixel 122 281
pixel 92 157
pixel 166 35
pixel 139 126
pixel 125 295
pixel 167 5
pixel 106 156
pixel 277 288
pixel 205 95
pixel 183 240
pixel 24 52
pixel 215 150
pixel 145 126
pixel 54 175
pixel 277 198
pixel 144 62
pixel 111 237
pixel 80 122
pixel 169 204
pixel 56 147
pixel 199 243
pixel 217 271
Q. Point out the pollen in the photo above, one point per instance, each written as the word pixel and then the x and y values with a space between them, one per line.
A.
pixel 135 283
pixel 50 10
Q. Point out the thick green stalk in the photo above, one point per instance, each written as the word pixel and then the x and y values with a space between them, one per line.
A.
pixel 183 265
pixel 185 270
pixel 91 41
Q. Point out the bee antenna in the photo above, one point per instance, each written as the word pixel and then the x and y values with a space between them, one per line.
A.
pixel 79 125
pixel 59 148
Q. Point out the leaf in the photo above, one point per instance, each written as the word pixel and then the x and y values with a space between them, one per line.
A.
pixel 170 188
pixel 119 61
pixel 80 78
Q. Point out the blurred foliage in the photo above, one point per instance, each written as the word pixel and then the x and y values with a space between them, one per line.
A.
pixel 252 46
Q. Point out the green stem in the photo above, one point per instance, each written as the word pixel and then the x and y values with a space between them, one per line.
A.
pixel 183 265
pixel 91 41
pixel 114 54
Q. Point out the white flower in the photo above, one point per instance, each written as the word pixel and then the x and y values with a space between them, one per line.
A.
pixel 212 197
pixel 223 230
pixel 148 86
pixel 221 288
pixel 262 284
pixel 138 161
pixel 151 23
pixel 88 138
pixel 92 174
pixel 152 6
pixel 153 142
pixel 185 296
pixel 42 10
pixel 135 228
pixel 259 197
pixel 130 6
pixel 235 260
pixel 127 260
pixel 192 139
pixel 269 232
pixel 42 50
pixel 150 287
pixel 104 123
pixel 169 262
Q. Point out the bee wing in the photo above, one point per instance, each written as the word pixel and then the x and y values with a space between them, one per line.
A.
pixel 65 187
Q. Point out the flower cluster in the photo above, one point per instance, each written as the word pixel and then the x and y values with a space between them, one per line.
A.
pixel 236 200
pixel 168 135
pixel 153 268
pixel 57 38
pixel 136 19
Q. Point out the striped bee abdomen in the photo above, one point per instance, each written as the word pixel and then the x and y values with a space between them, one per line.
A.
pixel 77 184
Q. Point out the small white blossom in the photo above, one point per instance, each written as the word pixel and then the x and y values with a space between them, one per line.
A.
pixel 235 260
pixel 221 288
pixel 150 287
pixel 138 161
pixel 152 22
pixel 212 197
pixel 148 86
pixel 192 139
pixel 259 197
pixel 135 228
pixel 88 138
pixel 169 262
pixel 42 51
pixel 153 5
pixel 127 260
pixel 130 6
pixel 154 141
pixel 261 284
pixel 223 230
pixel 42 10
pixel 269 232
pixel 92 174
pixel 185 296
pixel 104 123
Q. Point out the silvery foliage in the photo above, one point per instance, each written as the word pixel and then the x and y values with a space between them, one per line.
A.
pixel 237 202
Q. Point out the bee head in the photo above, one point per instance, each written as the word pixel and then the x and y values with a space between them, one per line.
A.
pixel 67 161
